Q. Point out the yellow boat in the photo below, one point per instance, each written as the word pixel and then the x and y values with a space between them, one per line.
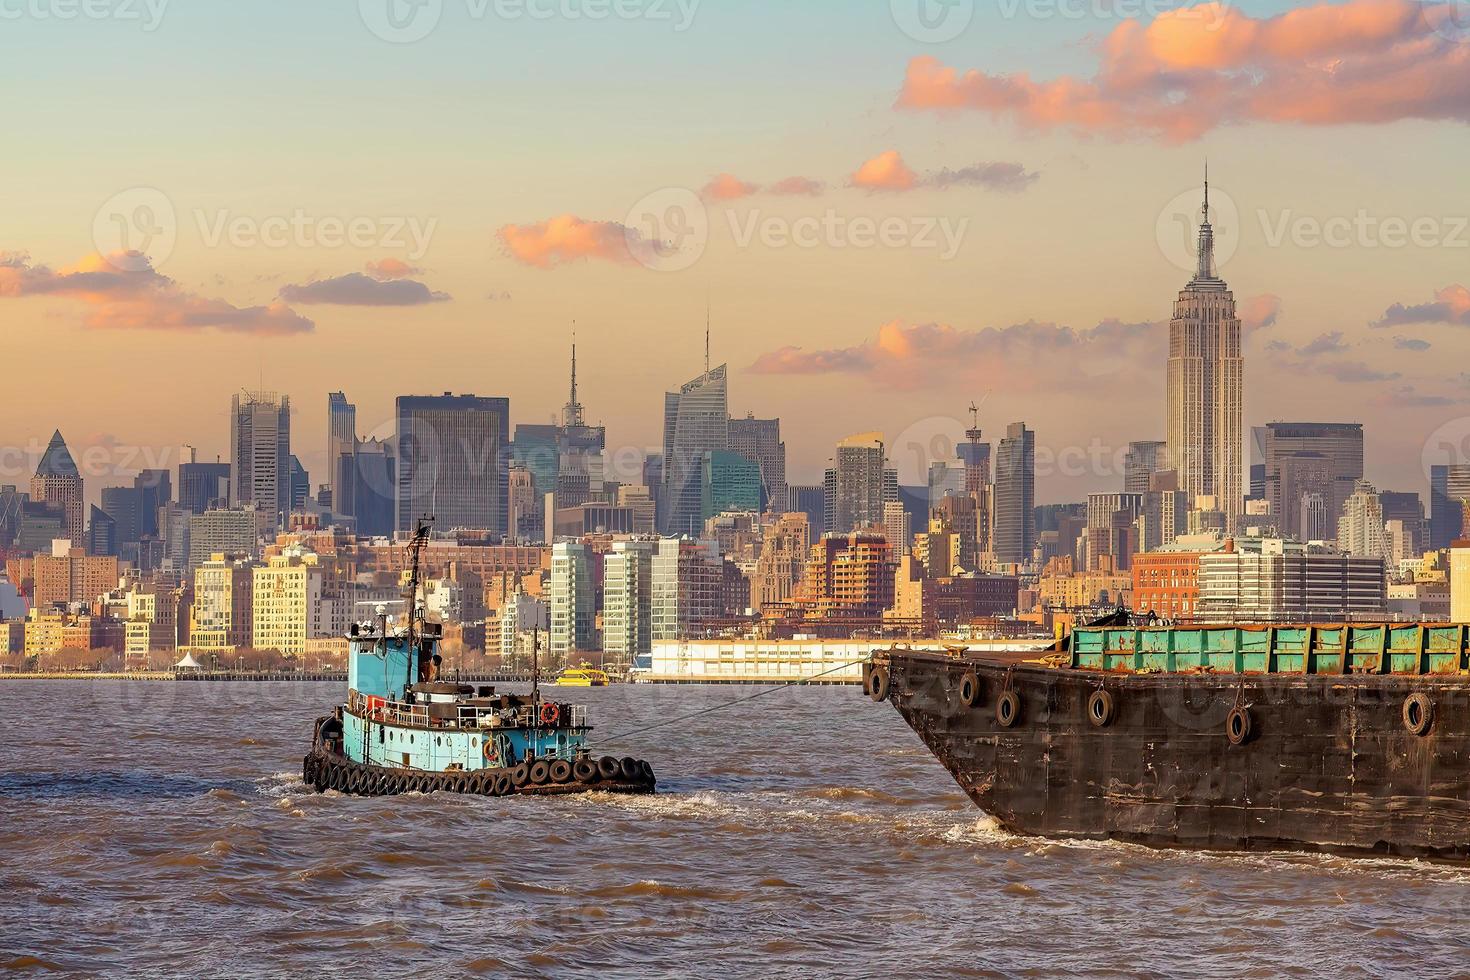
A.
pixel 582 677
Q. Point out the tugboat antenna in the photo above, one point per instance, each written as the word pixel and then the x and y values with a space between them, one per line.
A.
pixel 536 664
pixel 415 552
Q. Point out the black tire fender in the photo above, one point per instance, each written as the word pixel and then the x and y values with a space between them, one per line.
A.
pixel 1008 709
pixel 1101 708
pixel 970 689
pixel 1418 714
pixel 1238 725
pixel 878 683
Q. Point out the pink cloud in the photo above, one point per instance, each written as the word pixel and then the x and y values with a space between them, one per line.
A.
pixel 1451 305
pixel 1259 312
pixel 1193 69
pixel 798 187
pixel 124 292
pixel 391 268
pixel 885 172
pixel 1023 356
pixel 356 289
pixel 727 187
pixel 908 355
pixel 568 238
pixel 889 172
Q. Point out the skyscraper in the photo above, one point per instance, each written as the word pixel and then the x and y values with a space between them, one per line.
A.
pixel 696 421
pixel 1303 458
pixel 759 440
pixel 1449 488
pixel 341 441
pixel 300 484
pixel 203 485
pixel 452 461
pixel 811 501
pixel 1140 463
pixel 58 485
pixel 858 484
pixel 260 441
pixel 1205 384
pixel 1015 496
pixel 730 482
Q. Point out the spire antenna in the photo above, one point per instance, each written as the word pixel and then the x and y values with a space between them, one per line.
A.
pixel 1206 270
pixel 572 415
pixel 706 335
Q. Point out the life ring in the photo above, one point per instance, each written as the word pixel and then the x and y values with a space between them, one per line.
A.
pixel 1100 708
pixel 492 755
pixel 1418 714
pixel 1238 725
pixel 550 713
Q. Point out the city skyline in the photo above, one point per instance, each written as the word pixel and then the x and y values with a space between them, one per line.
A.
pixel 1345 299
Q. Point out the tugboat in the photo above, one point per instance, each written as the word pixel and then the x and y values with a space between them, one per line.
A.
pixel 1346 738
pixel 404 729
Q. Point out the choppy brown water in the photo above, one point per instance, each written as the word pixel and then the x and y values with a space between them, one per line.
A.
pixel 162 829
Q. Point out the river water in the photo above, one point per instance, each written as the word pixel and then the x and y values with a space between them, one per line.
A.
pixel 156 829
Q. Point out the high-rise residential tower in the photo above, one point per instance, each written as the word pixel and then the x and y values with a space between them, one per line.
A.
pixel 260 443
pixel 858 484
pixel 1205 383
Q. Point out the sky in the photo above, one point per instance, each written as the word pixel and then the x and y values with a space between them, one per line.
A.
pixel 887 210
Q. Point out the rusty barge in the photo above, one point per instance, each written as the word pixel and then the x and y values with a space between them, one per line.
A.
pixel 1349 739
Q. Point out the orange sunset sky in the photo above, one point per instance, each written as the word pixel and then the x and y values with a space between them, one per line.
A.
pixel 889 210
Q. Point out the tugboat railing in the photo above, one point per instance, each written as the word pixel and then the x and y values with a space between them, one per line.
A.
pixel 466 717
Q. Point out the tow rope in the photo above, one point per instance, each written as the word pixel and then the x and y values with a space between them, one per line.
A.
pixel 730 704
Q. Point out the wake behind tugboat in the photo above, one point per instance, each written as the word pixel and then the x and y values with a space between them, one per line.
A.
pixel 403 730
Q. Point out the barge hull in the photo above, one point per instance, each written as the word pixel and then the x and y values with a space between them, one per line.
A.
pixel 1330 763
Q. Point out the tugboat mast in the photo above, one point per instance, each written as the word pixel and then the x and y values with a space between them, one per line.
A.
pixel 536 665
pixel 415 553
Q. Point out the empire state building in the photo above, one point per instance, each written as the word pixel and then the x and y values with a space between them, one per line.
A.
pixel 1205 438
